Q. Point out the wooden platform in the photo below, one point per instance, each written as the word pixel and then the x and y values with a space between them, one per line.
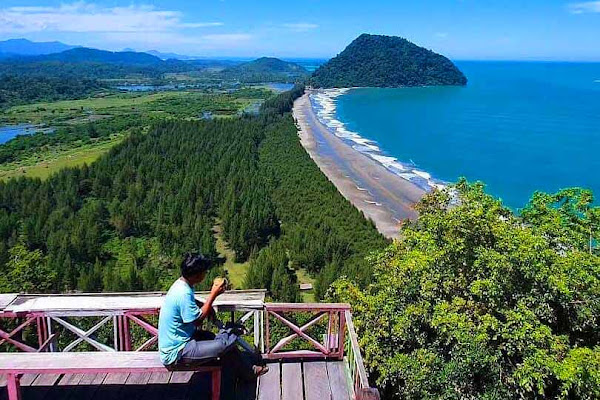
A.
pixel 314 380
pixel 310 380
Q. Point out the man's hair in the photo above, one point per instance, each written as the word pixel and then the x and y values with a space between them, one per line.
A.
pixel 193 264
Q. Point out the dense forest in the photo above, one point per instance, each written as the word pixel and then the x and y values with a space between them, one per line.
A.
pixel 266 69
pixel 386 61
pixel 475 302
pixel 123 222
pixel 15 90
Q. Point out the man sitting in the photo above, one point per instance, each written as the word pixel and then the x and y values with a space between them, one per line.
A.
pixel 179 341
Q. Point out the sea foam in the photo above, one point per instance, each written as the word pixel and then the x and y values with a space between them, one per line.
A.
pixel 324 103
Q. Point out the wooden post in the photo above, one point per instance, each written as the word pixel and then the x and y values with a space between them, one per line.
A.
pixel 127 333
pixel 52 347
pixel 257 329
pixel 341 334
pixel 116 332
pixel 14 387
pixel 216 384
pixel 267 339
pixel 40 331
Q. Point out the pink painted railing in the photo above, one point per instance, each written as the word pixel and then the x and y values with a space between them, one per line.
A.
pixel 326 332
pixel 331 345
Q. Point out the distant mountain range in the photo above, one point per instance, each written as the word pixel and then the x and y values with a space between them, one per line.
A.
pixel 83 54
pixel 386 61
pixel 24 47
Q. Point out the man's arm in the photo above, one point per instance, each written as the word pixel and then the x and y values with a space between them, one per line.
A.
pixel 206 308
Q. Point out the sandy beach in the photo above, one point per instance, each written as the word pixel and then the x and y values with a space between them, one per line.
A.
pixel 381 195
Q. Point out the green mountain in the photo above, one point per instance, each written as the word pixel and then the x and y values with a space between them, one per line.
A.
pixel 386 61
pixel 266 69
pixel 24 47
pixel 88 55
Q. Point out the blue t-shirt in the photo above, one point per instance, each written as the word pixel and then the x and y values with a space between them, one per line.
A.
pixel 176 321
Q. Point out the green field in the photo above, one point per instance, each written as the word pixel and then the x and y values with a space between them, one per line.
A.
pixel 236 272
pixel 146 107
pixel 175 104
pixel 44 164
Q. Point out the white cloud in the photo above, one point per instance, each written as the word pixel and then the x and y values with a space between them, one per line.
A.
pixel 301 26
pixel 88 17
pixel 441 35
pixel 585 7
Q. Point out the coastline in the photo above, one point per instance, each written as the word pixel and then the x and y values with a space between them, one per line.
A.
pixel 384 197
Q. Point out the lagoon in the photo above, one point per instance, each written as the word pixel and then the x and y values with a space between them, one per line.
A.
pixel 9 132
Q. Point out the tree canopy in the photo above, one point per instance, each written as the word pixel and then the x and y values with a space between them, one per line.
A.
pixel 475 302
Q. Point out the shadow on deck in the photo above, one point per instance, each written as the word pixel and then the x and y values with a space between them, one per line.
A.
pixel 311 380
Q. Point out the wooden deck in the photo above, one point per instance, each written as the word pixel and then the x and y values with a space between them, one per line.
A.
pixel 310 380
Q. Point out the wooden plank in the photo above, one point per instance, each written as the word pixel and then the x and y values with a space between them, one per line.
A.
pixel 138 379
pixel 181 376
pixel 288 307
pixel 94 302
pixel 27 379
pixel 159 377
pixel 45 380
pixel 92 379
pixel 178 385
pixel 86 388
pixel 6 299
pixel 291 381
pixel 269 385
pixel 115 378
pixel 337 381
pixel 70 379
pixel 135 386
pixel 88 360
pixel 157 385
pixel 316 384
pixel 41 387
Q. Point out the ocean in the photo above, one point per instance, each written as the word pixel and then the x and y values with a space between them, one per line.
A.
pixel 519 127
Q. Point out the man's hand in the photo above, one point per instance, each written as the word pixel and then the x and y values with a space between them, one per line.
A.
pixel 218 287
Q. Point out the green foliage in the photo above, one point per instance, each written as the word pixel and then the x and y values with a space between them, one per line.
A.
pixel 27 271
pixel 123 222
pixel 386 61
pixel 475 302
pixel 16 90
pixel 266 69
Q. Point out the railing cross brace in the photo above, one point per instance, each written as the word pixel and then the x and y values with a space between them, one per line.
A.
pixel 84 336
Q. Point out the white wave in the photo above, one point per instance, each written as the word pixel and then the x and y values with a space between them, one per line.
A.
pixel 372 202
pixel 324 104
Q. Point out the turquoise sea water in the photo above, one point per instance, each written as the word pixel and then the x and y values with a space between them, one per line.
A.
pixel 518 127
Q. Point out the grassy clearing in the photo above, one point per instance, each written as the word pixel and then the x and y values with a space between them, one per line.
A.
pixel 236 272
pixel 303 276
pixel 43 165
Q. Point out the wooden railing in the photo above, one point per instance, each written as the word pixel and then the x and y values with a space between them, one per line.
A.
pixel 356 367
pixel 331 343
pixel 280 330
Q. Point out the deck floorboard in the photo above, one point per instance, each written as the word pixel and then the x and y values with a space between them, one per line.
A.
pixel 310 380
pixel 291 381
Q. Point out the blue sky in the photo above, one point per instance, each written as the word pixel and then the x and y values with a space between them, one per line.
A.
pixel 460 29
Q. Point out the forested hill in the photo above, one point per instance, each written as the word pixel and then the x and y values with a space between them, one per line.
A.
pixel 386 61
pixel 267 69
pixel 123 222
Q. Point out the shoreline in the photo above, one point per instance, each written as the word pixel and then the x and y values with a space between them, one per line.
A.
pixel 384 197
